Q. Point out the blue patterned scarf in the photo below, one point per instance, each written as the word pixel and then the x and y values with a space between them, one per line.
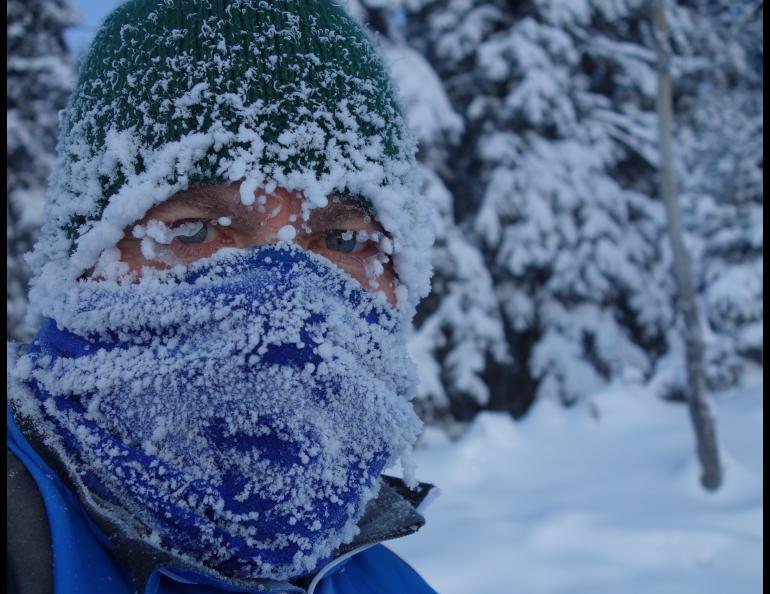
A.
pixel 241 410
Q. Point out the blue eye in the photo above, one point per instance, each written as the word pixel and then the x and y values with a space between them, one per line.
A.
pixel 342 241
pixel 197 237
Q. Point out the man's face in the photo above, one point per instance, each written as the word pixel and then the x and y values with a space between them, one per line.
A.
pixel 200 221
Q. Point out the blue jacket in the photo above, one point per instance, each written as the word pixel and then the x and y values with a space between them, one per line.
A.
pixel 86 561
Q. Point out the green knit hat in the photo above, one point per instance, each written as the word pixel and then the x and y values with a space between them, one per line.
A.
pixel 165 70
pixel 178 93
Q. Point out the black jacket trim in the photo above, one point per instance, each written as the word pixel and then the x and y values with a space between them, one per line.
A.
pixel 29 559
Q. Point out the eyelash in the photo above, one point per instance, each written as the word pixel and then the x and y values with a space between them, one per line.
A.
pixel 197 250
pixel 312 240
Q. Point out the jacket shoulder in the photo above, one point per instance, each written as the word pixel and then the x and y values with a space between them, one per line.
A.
pixel 80 563
pixel 377 570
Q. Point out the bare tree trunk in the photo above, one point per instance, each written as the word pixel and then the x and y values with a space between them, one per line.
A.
pixel 700 411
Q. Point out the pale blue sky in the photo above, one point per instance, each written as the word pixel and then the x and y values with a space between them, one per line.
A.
pixel 91 14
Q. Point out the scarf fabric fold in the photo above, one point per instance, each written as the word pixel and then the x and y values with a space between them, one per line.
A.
pixel 240 410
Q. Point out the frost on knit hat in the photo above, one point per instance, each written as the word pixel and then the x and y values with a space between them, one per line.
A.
pixel 179 93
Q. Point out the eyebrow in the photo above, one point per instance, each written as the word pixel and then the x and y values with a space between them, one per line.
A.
pixel 211 204
pixel 337 213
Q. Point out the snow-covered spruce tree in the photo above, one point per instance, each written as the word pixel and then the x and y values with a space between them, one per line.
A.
pixel 720 172
pixel 554 180
pixel 553 183
pixel 40 78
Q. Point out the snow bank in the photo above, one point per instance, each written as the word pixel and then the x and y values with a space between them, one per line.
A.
pixel 601 497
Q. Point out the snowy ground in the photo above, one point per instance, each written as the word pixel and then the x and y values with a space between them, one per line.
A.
pixel 600 498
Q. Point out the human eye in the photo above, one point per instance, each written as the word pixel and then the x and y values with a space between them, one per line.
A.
pixel 199 238
pixel 344 241
pixel 192 232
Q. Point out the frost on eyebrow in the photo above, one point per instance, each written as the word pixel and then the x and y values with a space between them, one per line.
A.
pixel 155 235
pixel 158 230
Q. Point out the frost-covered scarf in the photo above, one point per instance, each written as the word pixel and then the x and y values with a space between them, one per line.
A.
pixel 241 411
